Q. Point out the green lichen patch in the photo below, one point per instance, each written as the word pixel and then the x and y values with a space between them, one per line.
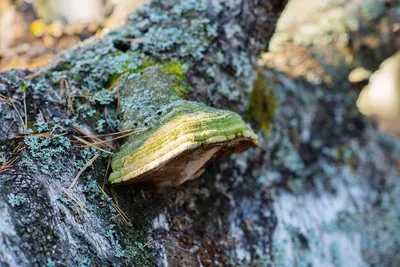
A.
pixel 262 105
pixel 48 152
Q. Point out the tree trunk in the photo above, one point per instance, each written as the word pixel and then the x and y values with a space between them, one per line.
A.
pixel 321 187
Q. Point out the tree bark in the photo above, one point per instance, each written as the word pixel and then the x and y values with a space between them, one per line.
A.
pixel 321 188
pixel 216 45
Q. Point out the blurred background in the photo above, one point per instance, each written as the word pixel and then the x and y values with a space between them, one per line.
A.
pixel 33 31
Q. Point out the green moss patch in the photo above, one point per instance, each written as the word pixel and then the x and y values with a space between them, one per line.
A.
pixel 262 105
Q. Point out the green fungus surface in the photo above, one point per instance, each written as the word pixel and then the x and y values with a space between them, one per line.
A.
pixel 175 138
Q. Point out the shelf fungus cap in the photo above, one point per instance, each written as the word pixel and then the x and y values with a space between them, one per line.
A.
pixel 180 139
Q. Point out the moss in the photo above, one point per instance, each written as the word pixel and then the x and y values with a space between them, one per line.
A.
pixel 147 63
pixel 112 80
pixel 175 68
pixel 177 71
pixel 262 105
pixel 24 86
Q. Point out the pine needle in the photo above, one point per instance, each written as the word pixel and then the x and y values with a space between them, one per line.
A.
pixel 88 144
pixel 25 109
pixel 9 127
pixel 69 97
pixel 115 205
pixel 106 173
pixel 3 98
pixel 113 139
pixel 8 164
pixel 19 114
pixel 89 163
pixel 117 133
pixel 75 201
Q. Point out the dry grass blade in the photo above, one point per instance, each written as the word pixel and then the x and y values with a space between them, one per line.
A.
pixel 59 126
pixel 89 163
pixel 91 144
pixel 114 86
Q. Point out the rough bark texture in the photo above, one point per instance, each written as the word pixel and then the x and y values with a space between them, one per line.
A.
pixel 322 187
pixel 215 45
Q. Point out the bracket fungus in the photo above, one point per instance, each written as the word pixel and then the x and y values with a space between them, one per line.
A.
pixel 178 136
